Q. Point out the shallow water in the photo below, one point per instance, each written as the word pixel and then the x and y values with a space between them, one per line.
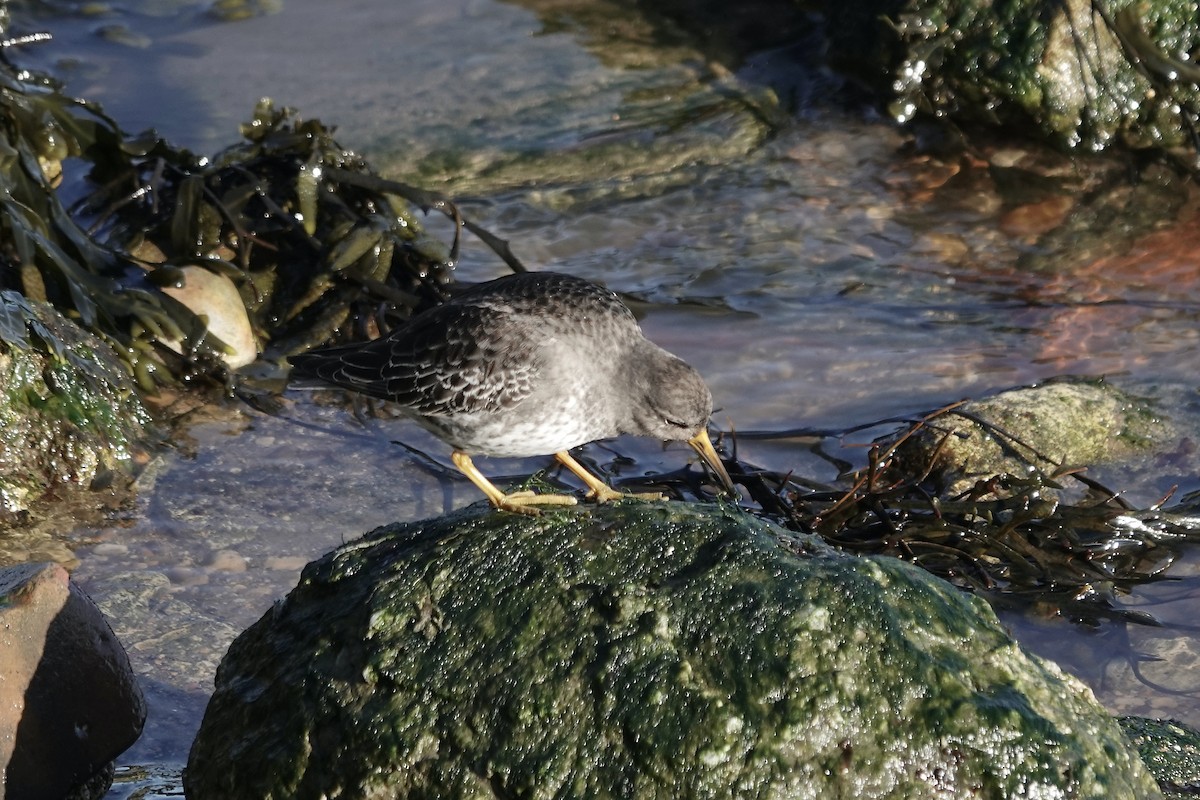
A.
pixel 824 280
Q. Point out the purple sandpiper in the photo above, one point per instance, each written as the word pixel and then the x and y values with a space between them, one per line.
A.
pixel 526 365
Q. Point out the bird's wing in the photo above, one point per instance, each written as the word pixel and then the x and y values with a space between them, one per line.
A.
pixel 454 358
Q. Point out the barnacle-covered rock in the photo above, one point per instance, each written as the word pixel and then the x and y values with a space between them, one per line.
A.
pixel 1170 749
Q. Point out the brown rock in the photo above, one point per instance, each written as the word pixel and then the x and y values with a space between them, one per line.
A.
pixel 69 702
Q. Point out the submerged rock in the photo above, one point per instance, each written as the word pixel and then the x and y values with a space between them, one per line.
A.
pixel 640 650
pixel 69 702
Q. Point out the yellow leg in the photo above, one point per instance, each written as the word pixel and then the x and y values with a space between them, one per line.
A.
pixel 598 490
pixel 517 502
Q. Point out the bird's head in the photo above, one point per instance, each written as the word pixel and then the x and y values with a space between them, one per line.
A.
pixel 675 402
pixel 676 405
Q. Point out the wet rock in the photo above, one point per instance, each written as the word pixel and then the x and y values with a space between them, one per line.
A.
pixel 1077 74
pixel 640 650
pixel 69 703
pixel 1042 427
pixel 69 416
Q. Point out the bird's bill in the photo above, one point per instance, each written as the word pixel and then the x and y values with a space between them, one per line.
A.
pixel 703 447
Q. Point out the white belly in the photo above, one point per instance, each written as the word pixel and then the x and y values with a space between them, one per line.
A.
pixel 528 429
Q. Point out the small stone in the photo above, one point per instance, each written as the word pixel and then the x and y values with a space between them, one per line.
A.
pixel 214 298
pixel 186 576
pixel 1034 219
pixel 121 34
pixel 227 561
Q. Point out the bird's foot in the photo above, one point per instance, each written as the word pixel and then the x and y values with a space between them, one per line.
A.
pixel 604 494
pixel 527 502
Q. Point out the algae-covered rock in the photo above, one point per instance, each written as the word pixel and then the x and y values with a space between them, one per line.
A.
pixel 1170 749
pixel 1040 427
pixel 1076 73
pixel 640 650
pixel 69 415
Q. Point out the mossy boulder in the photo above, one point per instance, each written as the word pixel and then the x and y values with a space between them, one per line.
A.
pixel 640 650
pixel 1171 751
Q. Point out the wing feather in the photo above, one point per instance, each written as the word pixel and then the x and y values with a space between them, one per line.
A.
pixel 454 358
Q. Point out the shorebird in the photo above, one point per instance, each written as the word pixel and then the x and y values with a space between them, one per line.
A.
pixel 526 365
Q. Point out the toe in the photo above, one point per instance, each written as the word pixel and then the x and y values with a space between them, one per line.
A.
pixel 525 502
pixel 603 494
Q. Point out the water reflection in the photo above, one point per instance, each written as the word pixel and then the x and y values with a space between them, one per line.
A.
pixel 1133 669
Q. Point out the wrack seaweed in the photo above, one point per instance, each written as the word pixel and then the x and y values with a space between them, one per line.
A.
pixel 1047 539
pixel 312 259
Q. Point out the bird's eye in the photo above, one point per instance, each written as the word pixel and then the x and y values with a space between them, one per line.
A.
pixel 674 423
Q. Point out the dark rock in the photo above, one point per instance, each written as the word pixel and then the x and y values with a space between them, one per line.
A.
pixel 640 650
pixel 69 702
